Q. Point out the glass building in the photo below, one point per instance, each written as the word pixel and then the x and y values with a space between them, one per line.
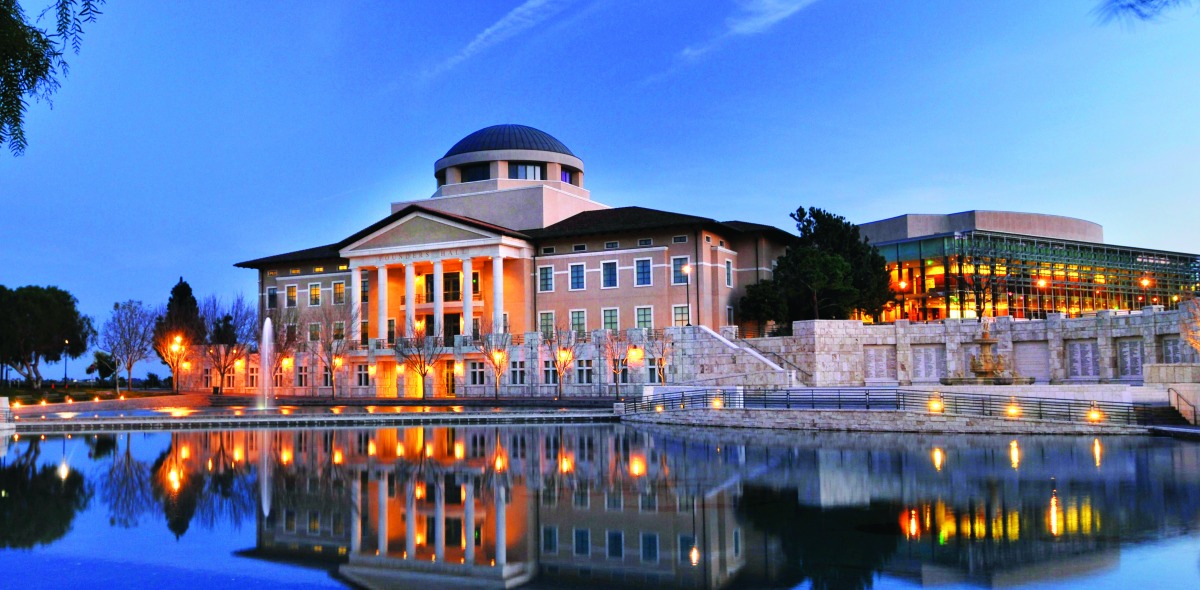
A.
pixel 990 263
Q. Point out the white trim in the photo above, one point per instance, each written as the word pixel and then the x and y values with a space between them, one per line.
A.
pixel 728 273
pixel 689 314
pixel 683 241
pixel 571 319
pixel 687 261
pixel 310 275
pixel 635 277
pixel 553 320
pixel 607 550
pixel 538 279
pixel 423 215
pixel 616 274
pixel 333 293
pixel 308 292
pixel 635 315
pixel 616 245
pixel 604 309
pixel 619 252
pixel 570 278
pixel 639 242
pixel 725 250
pixel 642 547
pixel 296 298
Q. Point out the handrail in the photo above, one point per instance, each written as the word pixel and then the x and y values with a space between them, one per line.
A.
pixel 777 357
pixel 1179 398
pixel 964 404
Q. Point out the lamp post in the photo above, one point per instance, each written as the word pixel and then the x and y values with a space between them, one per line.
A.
pixel 66 343
pixel 1041 284
pixel 903 289
pixel 687 285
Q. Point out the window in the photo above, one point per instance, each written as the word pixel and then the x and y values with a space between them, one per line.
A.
pixel 272 273
pixel 327 377
pixel 686 542
pixel 289 521
pixel 252 377
pixel 644 317
pixel 475 172
pixel 613 501
pixel 645 242
pixel 722 243
pixel 278 380
pixel 365 294
pixel 679 239
pixel 339 293
pixel 314 332
pixel 652 372
pixel 579 247
pixel 608 275
pixel 609 317
pixel 549 374
pixel 565 175
pixel 391 331
pixel 475 372
pixel 642 273
pixel 362 375
pixel 548 250
pixel 577 277
pixel 578 320
pixel 582 496
pixel 314 294
pixel 272 297
pixel 526 171
pixel 729 315
pixel 546 324
pixel 648 502
pixel 318 269
pixel 206 376
pixel 339 330
pixel 583 542
pixel 290 292
pixel 290 329
pixel 616 544
pixel 737 542
pixel 343 267
pixel 545 279
pixel 301 376
pixel 583 371
pixel 650 547
pixel 678 277
pixel 708 239
pixel 363 332
pixel 516 373
pixel 728 273
pixel 611 245
pixel 294 271
pixel 681 315
pixel 549 539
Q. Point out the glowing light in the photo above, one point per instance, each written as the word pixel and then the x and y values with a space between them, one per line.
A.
pixel 428 450
pixel 694 554
pixel 70 401
pixel 687 269
pixel 635 355
pixel 185 453
pixel 1094 414
pixel 566 465
pixel 1096 451
pixel 238 363
pixel 637 466
pixel 1014 410
pixel 337 457
pixel 717 403
pixel 337 362
pixel 97 399
pixel 500 463
pixel 43 402
pixel 121 397
pixel 1054 514
pixel 458 450
pixel 658 408
pixel 498 358
pixel 419 490
pixel 237 455
pixel 371 448
pixel 939 458
pixel 564 356
pixel 1014 454
pixel 936 406
pixel 1041 283
pixel 371 370
pixel 187 365
pixel 174 478
pixel 285 456
pixel 911 524
pixel 210 464
pixel 16 404
pixel 63 470
pixel 1145 283
pixel 399 449
pixel 286 362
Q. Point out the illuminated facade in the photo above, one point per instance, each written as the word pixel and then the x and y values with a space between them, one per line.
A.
pixel 1025 265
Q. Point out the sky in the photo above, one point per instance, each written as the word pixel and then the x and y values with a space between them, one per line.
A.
pixel 187 138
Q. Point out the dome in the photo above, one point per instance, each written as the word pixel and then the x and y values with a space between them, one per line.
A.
pixel 508 137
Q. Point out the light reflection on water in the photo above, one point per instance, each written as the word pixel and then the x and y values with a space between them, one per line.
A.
pixel 555 506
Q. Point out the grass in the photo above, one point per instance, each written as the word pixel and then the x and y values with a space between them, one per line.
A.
pixel 29 397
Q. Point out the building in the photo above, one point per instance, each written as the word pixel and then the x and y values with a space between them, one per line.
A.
pixel 510 243
pixel 1026 265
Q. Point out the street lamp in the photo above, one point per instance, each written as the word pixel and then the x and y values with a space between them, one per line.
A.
pixel 66 343
pixel 903 291
pixel 1041 284
pixel 687 285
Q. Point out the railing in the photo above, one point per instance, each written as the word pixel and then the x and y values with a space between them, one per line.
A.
pixel 448 296
pixel 958 404
pixel 1178 402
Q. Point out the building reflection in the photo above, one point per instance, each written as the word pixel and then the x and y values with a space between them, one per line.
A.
pixel 613 506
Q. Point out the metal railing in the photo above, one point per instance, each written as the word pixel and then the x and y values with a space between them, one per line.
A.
pixel 1181 405
pixel 957 404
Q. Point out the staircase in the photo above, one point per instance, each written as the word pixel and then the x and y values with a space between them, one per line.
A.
pixel 1159 415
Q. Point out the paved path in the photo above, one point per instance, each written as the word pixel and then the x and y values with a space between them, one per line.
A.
pixel 1183 432
pixel 187 400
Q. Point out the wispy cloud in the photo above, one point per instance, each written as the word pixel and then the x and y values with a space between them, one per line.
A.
pixel 751 18
pixel 518 20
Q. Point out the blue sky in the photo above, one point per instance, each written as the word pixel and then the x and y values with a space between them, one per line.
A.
pixel 187 139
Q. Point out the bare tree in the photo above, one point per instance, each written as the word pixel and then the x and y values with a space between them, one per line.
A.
pixel 174 348
pixel 562 345
pixel 1189 326
pixel 494 348
pixel 230 329
pixel 332 323
pixel 128 335
pixel 125 488
pixel 1136 10
pixel 616 349
pixel 420 353
pixel 285 340
pixel 659 346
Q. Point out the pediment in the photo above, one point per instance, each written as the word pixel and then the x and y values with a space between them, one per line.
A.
pixel 419 230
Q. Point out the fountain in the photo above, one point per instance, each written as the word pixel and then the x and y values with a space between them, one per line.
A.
pixel 989 368
pixel 264 362
pixel 264 471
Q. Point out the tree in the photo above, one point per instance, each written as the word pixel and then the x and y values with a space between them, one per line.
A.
pixel 494 348
pixel 763 302
pixel 125 488
pixel 332 322
pixel 616 349
pixel 31 59
pixel 104 366
pixel 816 281
pixel 659 346
pixel 41 324
pixel 178 330
pixel 561 345
pixel 230 328
pixel 285 340
pixel 420 353
pixel 128 334
pixel 1143 10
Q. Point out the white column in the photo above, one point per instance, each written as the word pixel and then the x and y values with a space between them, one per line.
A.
pixel 356 304
pixel 410 520
pixel 381 303
pixel 356 514
pixel 439 519
pixel 468 290
pixel 501 540
pixel 410 299
pixel 497 294
pixel 469 522
pixel 383 513
pixel 439 299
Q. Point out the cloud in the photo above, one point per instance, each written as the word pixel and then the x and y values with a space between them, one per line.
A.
pixel 751 18
pixel 518 20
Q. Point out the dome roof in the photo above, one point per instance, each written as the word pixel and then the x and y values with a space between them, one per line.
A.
pixel 508 137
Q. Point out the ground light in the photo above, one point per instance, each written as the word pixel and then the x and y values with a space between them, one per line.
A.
pixel 936 405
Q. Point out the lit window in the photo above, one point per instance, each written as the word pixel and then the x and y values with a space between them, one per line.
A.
pixel 318 269
pixel 314 332
pixel 610 317
pixel 545 279
pixel 641 272
pixel 290 291
pixel 608 273
pixel 339 330
pixel 314 294
pixel 546 324
pixel 339 293
pixel 343 267
pixel 294 271
pixel 272 273
pixel 577 277
pixel 611 245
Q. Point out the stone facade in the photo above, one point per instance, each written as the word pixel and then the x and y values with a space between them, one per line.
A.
pixel 1108 347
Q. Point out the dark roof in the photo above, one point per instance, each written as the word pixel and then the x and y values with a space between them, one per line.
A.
pixel 508 137
pixel 333 250
pixel 620 219
pixel 747 227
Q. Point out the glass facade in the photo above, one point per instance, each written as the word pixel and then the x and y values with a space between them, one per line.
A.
pixel 976 274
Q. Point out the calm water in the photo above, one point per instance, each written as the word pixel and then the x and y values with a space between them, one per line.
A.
pixel 606 506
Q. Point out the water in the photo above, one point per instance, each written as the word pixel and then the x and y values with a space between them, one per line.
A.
pixel 604 505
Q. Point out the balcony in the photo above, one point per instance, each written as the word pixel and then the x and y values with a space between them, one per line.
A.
pixel 451 297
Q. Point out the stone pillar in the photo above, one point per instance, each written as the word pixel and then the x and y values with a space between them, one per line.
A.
pixel 439 519
pixel 497 295
pixel 410 299
pixel 468 306
pixel 1058 351
pixel 439 299
pixel 356 304
pixel 1105 345
pixel 904 357
pixel 381 482
pixel 501 540
pixel 469 522
pixel 356 514
pixel 410 520
pixel 381 303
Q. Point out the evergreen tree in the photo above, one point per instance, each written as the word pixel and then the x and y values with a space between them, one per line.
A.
pixel 181 317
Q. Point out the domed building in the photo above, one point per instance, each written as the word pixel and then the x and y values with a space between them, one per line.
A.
pixel 510 242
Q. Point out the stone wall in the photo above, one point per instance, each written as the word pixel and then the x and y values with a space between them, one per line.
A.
pixel 1108 347
pixel 873 421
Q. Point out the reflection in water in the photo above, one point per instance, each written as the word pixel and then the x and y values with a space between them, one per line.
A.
pixel 551 506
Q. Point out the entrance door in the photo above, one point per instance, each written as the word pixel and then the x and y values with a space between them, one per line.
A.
pixel 448 378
